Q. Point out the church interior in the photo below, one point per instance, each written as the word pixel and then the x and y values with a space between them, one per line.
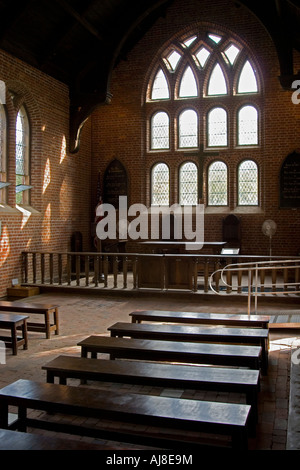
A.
pixel 128 130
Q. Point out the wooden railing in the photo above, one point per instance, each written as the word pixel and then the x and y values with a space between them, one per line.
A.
pixel 128 270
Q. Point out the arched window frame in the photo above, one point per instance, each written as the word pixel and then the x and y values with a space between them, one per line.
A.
pixel 232 102
pixel 194 136
pixel 3 153
pixel 194 198
pixel 159 194
pixel 239 201
pixel 153 131
pixel 238 125
pixel 210 202
pixel 208 115
pixel 23 176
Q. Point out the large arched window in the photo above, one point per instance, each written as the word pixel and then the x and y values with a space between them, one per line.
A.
pixel 248 183
pixel 160 185
pixel 210 89
pixel 22 157
pixel 3 156
pixel 188 184
pixel 217 184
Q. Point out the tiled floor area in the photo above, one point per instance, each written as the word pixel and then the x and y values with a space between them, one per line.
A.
pixel 83 315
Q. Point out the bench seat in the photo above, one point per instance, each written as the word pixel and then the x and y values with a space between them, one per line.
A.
pixel 14 440
pixel 172 351
pixel 165 413
pixel 258 321
pixel 32 308
pixel 12 323
pixel 214 334
pixel 223 379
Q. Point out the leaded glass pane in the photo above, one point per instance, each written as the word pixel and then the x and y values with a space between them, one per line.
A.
pixel 160 89
pixel 248 183
pixel 217 83
pixel 173 59
pixel 202 56
pixel 217 128
pixel 217 184
pixel 160 131
pixel 188 85
pixel 188 42
pixel 248 126
pixel 160 185
pixel 247 80
pixel 231 53
pixel 188 184
pixel 2 139
pixel 188 129
pixel 20 146
pixel 215 38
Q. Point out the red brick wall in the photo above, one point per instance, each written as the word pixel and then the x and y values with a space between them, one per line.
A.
pixel 60 199
pixel 119 129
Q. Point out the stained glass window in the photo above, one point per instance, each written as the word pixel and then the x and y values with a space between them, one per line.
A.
pixel 160 185
pixel 248 183
pixel 160 131
pixel 217 184
pixel 188 184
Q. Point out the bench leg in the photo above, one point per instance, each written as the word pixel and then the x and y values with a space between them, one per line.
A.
pixel 14 340
pixel 3 415
pixel 56 323
pixel 22 415
pixel 47 324
pixel 240 440
pixel 24 333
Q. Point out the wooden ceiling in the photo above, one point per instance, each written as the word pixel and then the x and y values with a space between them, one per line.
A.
pixel 79 42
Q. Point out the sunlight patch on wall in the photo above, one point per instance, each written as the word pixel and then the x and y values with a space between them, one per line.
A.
pixel 47 175
pixel 4 246
pixel 63 149
pixel 25 216
pixel 46 226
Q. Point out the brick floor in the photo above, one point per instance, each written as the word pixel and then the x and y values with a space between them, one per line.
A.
pixel 83 315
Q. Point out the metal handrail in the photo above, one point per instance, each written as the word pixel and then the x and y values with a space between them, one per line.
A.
pixel 256 267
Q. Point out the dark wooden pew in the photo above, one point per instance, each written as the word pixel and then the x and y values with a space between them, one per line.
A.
pixel 12 323
pixel 173 332
pixel 172 351
pixel 243 381
pixel 164 413
pixel 14 440
pixel 31 308
pixel 253 321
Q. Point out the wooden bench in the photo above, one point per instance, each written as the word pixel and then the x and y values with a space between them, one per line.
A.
pixel 164 375
pixel 164 413
pixel 12 323
pixel 256 336
pixel 253 321
pixel 14 440
pixel 171 351
pixel 32 308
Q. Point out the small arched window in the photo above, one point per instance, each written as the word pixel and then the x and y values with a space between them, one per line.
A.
pixel 248 126
pixel 160 89
pixel 247 80
pixel 160 131
pixel 217 83
pixel 188 129
pixel 188 184
pixel 188 85
pixel 3 156
pixel 217 128
pixel 160 185
pixel 248 183
pixel 217 184
pixel 22 157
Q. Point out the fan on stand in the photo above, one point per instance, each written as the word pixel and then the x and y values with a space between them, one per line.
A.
pixel 269 228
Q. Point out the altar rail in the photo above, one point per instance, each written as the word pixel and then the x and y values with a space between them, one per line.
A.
pixel 123 271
